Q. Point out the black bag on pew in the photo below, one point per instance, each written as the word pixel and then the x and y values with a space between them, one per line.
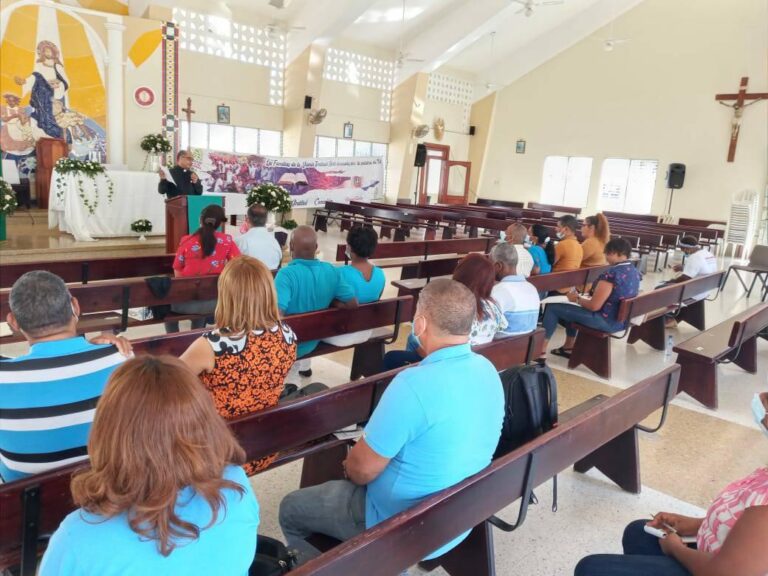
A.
pixel 272 558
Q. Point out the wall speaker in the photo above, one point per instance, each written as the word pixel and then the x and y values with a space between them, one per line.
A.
pixel 471 130
pixel 421 156
pixel 676 176
pixel 307 102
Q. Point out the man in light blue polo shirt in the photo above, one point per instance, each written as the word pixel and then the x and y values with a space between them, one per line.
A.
pixel 48 396
pixel 437 423
pixel 517 298
pixel 308 284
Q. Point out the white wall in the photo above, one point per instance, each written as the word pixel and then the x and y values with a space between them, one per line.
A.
pixel 352 103
pixel 651 98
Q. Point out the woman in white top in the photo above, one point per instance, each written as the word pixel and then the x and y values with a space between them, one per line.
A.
pixel 477 273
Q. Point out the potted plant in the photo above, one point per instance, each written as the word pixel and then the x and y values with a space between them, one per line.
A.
pixel 273 197
pixel 142 226
pixel 7 205
pixel 156 146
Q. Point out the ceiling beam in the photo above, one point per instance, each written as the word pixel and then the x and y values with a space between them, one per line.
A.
pixel 513 65
pixel 324 20
pixel 451 34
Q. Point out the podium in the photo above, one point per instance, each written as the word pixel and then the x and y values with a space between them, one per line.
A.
pixel 180 211
pixel 48 151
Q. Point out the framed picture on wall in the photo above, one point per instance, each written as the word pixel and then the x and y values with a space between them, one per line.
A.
pixel 348 129
pixel 520 147
pixel 222 114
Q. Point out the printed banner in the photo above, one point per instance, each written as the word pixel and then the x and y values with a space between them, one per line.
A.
pixel 309 181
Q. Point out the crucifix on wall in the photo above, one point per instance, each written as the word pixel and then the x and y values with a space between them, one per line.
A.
pixel 188 111
pixel 741 101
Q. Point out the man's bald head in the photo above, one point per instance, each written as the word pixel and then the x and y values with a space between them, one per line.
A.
pixel 449 307
pixel 304 243
pixel 516 233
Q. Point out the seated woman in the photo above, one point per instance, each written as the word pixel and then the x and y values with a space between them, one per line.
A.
pixel 600 310
pixel 477 273
pixel 542 249
pixel 596 234
pixel 366 280
pixel 244 361
pixel 165 491
pixel 568 251
pixel 730 539
pixel 205 252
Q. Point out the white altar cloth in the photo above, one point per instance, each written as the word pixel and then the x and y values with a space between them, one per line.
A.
pixel 135 197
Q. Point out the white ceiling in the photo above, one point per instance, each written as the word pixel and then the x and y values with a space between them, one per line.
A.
pixel 442 33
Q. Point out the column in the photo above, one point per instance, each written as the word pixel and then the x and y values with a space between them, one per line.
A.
pixel 115 91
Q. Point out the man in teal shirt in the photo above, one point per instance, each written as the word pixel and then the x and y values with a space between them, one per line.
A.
pixel 437 423
pixel 308 284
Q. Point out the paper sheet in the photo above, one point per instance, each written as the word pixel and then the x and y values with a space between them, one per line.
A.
pixel 167 174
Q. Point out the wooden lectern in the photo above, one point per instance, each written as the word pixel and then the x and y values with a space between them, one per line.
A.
pixel 179 212
pixel 48 151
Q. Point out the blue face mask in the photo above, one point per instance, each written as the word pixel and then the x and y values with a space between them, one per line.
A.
pixel 527 241
pixel 560 235
pixel 502 236
pixel 413 341
pixel 758 410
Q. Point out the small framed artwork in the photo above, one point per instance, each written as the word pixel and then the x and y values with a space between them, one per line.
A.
pixel 520 147
pixel 348 129
pixel 222 114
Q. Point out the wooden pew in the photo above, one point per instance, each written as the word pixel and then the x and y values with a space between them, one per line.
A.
pixel 368 356
pixel 601 432
pixel 627 216
pixel 92 269
pixel 505 203
pixel 733 341
pixel 34 507
pixel 645 315
pixel 555 208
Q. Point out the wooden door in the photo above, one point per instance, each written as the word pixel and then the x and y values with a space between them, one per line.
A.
pixel 433 173
pixel 454 188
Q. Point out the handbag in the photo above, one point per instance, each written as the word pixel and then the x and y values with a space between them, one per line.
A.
pixel 273 558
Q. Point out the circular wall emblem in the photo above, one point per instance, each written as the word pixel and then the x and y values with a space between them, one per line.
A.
pixel 144 96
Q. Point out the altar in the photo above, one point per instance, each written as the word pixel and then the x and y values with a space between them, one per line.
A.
pixel 135 197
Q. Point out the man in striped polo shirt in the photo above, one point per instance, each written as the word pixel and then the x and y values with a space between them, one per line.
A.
pixel 48 396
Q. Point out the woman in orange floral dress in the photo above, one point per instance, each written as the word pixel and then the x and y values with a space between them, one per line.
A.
pixel 245 360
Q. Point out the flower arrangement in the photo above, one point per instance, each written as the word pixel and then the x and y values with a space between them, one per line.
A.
pixel 289 224
pixel 141 226
pixel 81 168
pixel 273 197
pixel 7 198
pixel 156 144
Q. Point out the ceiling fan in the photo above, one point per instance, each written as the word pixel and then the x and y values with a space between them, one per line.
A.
pixel 529 5
pixel 402 56
pixel 316 116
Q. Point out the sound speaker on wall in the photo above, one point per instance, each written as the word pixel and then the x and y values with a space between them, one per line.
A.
pixel 471 130
pixel 421 156
pixel 676 176
pixel 307 102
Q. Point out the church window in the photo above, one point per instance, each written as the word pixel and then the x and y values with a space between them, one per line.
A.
pixel 565 180
pixel 627 185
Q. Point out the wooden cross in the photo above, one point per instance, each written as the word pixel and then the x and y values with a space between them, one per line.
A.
pixel 188 111
pixel 741 101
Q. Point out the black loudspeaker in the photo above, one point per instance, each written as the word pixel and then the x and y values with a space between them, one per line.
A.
pixel 471 130
pixel 307 102
pixel 421 156
pixel 676 176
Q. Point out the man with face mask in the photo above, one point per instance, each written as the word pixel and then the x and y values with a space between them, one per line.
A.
pixel 436 424
pixel 730 539
pixel 185 181
pixel 517 236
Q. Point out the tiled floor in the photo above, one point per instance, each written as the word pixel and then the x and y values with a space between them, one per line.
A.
pixel 683 466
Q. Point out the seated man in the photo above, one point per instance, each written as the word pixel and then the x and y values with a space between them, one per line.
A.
pixel 259 242
pixel 308 284
pixel 698 262
pixel 49 395
pixel 517 235
pixel 517 298
pixel 436 424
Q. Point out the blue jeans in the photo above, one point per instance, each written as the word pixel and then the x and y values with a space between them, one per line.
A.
pixel 642 557
pixel 567 314
pixel 335 508
pixel 400 358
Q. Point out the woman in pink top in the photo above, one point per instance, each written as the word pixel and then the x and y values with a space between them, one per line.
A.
pixel 730 540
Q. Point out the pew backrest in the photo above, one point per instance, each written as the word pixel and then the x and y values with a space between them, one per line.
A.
pixel 749 326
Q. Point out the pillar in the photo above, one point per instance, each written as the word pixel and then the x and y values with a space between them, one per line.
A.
pixel 115 91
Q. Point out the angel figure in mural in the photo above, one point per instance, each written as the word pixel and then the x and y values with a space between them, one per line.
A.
pixel 48 84
pixel 16 135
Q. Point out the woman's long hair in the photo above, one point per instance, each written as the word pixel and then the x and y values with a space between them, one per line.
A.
pixel 247 298
pixel 543 236
pixel 600 223
pixel 156 431
pixel 211 218
pixel 476 272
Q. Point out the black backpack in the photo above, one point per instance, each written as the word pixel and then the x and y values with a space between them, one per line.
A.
pixel 530 410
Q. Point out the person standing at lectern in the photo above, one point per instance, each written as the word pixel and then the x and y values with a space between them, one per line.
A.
pixel 185 181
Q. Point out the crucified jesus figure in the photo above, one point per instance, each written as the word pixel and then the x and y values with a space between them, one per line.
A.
pixel 738 113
